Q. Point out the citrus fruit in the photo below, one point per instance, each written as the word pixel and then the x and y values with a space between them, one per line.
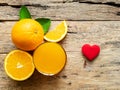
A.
pixel 57 34
pixel 49 58
pixel 19 65
pixel 27 34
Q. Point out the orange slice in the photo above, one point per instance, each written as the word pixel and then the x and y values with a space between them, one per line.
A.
pixel 57 34
pixel 19 65
pixel 49 58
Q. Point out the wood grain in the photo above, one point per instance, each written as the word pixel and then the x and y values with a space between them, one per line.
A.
pixel 89 21
pixel 31 2
pixel 60 10
pixel 102 74
pixel 104 33
pixel 102 1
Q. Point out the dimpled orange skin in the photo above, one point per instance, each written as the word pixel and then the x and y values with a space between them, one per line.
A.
pixel 27 34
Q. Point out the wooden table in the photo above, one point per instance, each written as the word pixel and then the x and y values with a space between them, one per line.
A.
pixel 89 21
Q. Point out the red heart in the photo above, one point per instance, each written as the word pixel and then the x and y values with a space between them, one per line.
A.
pixel 90 52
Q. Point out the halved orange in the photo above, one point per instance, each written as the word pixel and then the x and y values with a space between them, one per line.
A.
pixel 57 34
pixel 49 58
pixel 19 65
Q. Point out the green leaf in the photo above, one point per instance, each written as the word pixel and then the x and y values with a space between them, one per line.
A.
pixel 24 13
pixel 45 22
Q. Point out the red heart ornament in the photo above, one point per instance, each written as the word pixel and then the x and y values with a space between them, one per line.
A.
pixel 90 52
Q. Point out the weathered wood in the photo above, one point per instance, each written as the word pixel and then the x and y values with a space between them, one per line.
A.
pixel 63 11
pixel 101 1
pixel 104 33
pixel 102 74
pixel 31 2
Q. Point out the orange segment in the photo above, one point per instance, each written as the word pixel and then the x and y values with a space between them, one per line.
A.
pixel 19 65
pixel 57 34
pixel 49 58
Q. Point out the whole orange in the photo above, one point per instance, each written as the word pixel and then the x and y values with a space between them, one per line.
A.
pixel 27 34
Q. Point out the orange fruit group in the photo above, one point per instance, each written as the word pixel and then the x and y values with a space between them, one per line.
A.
pixel 19 65
pixel 27 34
pixel 57 34
pixel 49 58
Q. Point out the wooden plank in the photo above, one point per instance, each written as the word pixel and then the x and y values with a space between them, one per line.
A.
pixel 102 74
pixel 102 1
pixel 31 2
pixel 64 11
pixel 106 34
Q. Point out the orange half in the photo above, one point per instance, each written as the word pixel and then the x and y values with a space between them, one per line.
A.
pixel 19 65
pixel 49 58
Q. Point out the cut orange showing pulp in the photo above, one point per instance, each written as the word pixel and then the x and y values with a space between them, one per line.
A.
pixel 49 58
pixel 19 65
pixel 57 34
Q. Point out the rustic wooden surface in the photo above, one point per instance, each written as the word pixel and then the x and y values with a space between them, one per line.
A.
pixel 63 9
pixel 89 21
